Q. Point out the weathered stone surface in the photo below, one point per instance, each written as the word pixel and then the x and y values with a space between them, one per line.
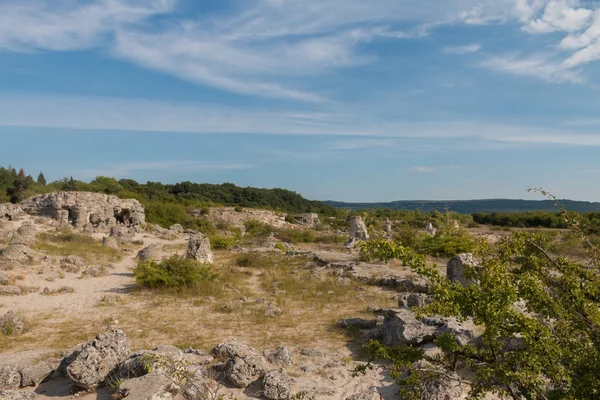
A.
pixel 358 229
pixel 177 228
pixel 401 328
pixel 358 323
pixel 110 242
pixel 199 249
pixel 309 219
pixel 10 377
pixel 121 235
pixel 465 332
pixel 244 364
pixel 95 271
pixel 430 230
pixel 150 387
pixel 457 267
pixel 11 324
pixel 366 395
pixel 4 279
pixel 17 395
pixel 152 252
pixel 411 300
pixel 10 211
pixel 272 311
pixel 98 358
pixel 83 208
pixel 281 356
pixel 36 374
pixel 312 352
pixel 18 246
pixel 276 385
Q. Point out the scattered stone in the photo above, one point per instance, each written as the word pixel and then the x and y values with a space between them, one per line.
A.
pixel 110 242
pixel 272 311
pixel 95 271
pixel 430 230
pixel 121 235
pixel 152 252
pixel 10 377
pixel 98 358
pixel 440 384
pixel 72 264
pixel 411 300
pixel 366 395
pixel 276 385
pixel 358 323
pixel 358 229
pixel 281 356
pixel 10 211
pixel 177 228
pixel 149 387
pixel 244 365
pixel 61 290
pixel 457 267
pixel 83 208
pixel 11 324
pixel 36 374
pixel 199 249
pixel 401 328
pixel 4 279
pixel 312 352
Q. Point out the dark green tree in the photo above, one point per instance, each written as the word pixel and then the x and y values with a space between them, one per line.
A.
pixel 41 179
pixel 20 185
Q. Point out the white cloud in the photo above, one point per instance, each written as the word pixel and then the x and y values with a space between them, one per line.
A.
pixel 541 66
pixel 423 169
pixel 561 15
pixel 465 49
pixel 357 144
pixel 438 168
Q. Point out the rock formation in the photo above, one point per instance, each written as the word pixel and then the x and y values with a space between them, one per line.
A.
pixel 430 230
pixel 152 252
pixel 456 268
pixel 199 249
pixel 10 211
pixel 358 229
pixel 83 208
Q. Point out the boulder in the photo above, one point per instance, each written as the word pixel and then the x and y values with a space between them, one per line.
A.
pixel 410 300
pixel 177 228
pixel 440 384
pixel 244 364
pixel 401 327
pixel 16 395
pixel 430 230
pixel 95 271
pixel 457 268
pixel 149 387
pixel 4 279
pixel 465 332
pixel 36 374
pixel 281 356
pixel 11 324
pixel 10 377
pixel 83 208
pixel 199 249
pixel 18 246
pixel 110 242
pixel 152 252
pixel 10 211
pixel 276 385
pixel 121 235
pixel 98 358
pixel 358 229
pixel 358 323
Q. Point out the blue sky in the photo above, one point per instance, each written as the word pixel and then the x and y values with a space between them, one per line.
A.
pixel 337 99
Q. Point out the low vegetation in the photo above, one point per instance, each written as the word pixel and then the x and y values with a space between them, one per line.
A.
pixel 173 273
pixel 66 242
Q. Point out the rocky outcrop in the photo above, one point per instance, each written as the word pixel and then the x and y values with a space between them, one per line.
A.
pixel 33 375
pixel 244 365
pixel 10 377
pixel 152 252
pixel 430 230
pixel 11 324
pixel 281 356
pixel 18 248
pixel 16 395
pixel 110 242
pixel 366 395
pixel 457 267
pixel 276 385
pixel 358 229
pixel 149 387
pixel 10 211
pixel 96 359
pixel 410 300
pixel 199 249
pixel 401 328
pixel 82 208
pixel 439 384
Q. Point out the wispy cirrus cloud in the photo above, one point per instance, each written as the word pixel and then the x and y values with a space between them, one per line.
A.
pixel 438 168
pixel 464 49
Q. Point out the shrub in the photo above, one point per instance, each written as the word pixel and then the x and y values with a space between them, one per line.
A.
pixel 255 228
pixel 249 260
pixel 448 246
pixel 175 272
pixel 238 209
pixel 221 242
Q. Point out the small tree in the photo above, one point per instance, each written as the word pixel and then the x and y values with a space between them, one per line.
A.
pixel 20 185
pixel 41 179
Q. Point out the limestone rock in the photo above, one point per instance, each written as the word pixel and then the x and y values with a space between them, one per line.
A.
pixel 281 356
pixel 430 230
pixel 3 279
pixel 98 358
pixel 10 377
pixel 18 247
pixel 110 242
pixel 11 324
pixel 149 387
pixel 121 235
pixel 36 374
pixel 152 252
pixel 401 328
pixel 411 300
pixel 244 365
pixel 457 266
pixel 276 385
pixel 199 249
pixel 10 291
pixel 83 208
pixel 358 323
pixel 465 332
pixel 16 395
pixel 95 271
pixel 10 211
pixel 358 229
pixel 446 385
pixel 177 228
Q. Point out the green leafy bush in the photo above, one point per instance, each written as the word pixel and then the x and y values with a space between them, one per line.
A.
pixel 175 272
pixel 448 246
pixel 221 242
pixel 257 229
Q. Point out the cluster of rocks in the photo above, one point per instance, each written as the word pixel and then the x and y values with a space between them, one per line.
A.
pixel 165 373
pixel 80 209
pixel 18 249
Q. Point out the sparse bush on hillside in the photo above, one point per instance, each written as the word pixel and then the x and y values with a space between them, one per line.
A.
pixel 448 246
pixel 257 229
pixel 175 273
pixel 222 242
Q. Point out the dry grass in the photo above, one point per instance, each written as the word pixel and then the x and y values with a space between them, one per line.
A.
pixel 65 242
pixel 211 312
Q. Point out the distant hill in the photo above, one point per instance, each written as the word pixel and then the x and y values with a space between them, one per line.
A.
pixel 473 206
